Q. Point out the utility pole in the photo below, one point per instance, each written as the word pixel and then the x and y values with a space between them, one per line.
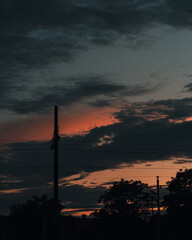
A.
pixel 56 195
pixel 158 211
pixel 56 192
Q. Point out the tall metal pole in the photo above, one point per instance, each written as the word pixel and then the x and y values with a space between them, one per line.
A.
pixel 158 211
pixel 56 155
pixel 56 192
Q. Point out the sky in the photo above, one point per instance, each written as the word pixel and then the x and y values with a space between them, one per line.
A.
pixel 120 72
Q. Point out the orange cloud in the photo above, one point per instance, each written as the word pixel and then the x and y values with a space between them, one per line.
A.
pixel 9 191
pixel 78 121
pixel 176 121
pixel 78 211
pixel 146 172
pixel 83 121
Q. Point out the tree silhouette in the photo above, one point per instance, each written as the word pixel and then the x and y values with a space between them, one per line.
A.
pixel 179 205
pixel 32 207
pixel 131 198
pixel 29 220
pixel 179 198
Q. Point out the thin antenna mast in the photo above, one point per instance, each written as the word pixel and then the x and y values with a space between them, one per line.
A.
pixel 158 211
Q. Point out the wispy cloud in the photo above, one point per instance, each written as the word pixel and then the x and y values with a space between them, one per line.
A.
pixel 98 91
pixel 39 32
pixel 11 191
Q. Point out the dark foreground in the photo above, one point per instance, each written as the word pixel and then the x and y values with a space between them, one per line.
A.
pixel 96 229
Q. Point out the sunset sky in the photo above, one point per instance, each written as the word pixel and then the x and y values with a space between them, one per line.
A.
pixel 120 72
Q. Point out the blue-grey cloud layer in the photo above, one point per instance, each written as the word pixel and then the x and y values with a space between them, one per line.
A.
pixel 98 91
pixel 34 33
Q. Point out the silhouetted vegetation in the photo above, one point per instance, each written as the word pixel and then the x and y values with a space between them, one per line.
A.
pixel 129 211
pixel 30 220
pixel 129 198
pixel 180 193
pixel 178 204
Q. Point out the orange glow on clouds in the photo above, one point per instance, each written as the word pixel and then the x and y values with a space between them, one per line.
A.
pixel 80 121
pixel 9 191
pixel 146 172
pixel 176 121
pixel 84 121
pixel 77 212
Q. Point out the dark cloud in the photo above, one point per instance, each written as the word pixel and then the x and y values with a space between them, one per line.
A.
pixel 34 33
pixel 37 32
pixel 182 161
pixel 176 108
pixel 101 103
pixel 188 87
pixel 80 196
pixel 179 13
pixel 114 16
pixel 80 89
pixel 144 133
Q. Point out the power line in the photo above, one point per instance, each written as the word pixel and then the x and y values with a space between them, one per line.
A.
pixel 41 141
pixel 82 168
pixel 67 143
pixel 133 143
pixel 23 139
pixel 95 178
pixel 102 149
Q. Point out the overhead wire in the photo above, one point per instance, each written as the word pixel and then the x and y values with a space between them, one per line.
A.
pixel 90 148
pixel 102 149
pixel 83 168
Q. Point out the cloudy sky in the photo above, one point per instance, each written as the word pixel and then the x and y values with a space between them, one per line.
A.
pixel 120 72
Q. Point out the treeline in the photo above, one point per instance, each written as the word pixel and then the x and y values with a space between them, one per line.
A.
pixel 128 211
